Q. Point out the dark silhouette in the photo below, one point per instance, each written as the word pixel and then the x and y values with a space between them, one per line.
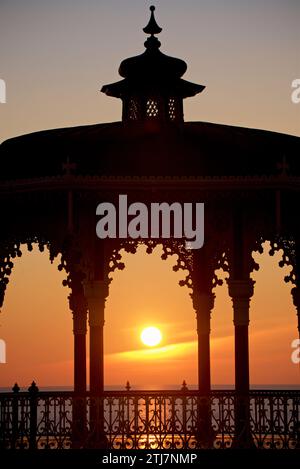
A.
pixel 51 183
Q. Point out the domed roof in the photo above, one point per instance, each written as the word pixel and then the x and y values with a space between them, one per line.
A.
pixel 152 62
pixel 200 149
pixel 152 69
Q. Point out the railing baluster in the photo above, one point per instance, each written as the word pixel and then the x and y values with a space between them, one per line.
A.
pixel 33 392
pixel 144 419
pixel 136 422
pixel 15 416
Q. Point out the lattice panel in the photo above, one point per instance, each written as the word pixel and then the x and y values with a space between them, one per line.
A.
pixel 172 109
pixel 152 109
pixel 133 110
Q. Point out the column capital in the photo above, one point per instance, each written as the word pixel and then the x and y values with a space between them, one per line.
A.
pixel 241 288
pixel 78 306
pixel 79 323
pixel 96 289
pixel 203 304
pixel 96 292
pixel 241 291
pixel 203 301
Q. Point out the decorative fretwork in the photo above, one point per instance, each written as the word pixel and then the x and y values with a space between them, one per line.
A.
pixel 220 261
pixel 289 258
pixel 10 250
pixel 170 247
pixel 115 262
pixel 152 108
pixel 288 247
pixel 184 261
pixel 172 109
pixel 185 258
pixel 133 109
pixel 71 262
pixel 145 419
pixel 114 257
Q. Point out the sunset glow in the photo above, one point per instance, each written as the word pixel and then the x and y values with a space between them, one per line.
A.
pixel 151 336
pixel 35 319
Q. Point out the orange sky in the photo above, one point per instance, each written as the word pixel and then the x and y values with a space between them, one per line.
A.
pixel 36 325
pixel 55 56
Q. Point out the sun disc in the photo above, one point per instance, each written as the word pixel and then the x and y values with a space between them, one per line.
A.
pixel 151 336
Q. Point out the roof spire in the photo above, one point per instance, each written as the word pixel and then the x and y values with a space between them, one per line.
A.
pixel 152 27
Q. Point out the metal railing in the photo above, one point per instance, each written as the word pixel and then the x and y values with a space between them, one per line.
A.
pixel 147 419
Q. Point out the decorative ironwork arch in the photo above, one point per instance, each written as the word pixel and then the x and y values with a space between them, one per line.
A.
pixel 12 249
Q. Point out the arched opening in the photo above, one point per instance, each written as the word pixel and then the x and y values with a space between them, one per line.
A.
pixel 36 324
pixel 273 324
pixel 146 293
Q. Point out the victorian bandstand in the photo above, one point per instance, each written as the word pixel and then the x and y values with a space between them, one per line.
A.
pixel 249 180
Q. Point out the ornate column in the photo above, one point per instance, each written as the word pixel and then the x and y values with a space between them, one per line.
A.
pixel 241 287
pixel 78 307
pixel 96 292
pixel 240 292
pixel 203 304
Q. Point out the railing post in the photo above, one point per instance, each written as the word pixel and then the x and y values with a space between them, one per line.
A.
pixel 15 416
pixel 33 398
pixel 184 389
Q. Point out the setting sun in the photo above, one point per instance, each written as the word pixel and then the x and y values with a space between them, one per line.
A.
pixel 151 336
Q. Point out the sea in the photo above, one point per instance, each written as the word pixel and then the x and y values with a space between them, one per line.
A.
pixel 166 387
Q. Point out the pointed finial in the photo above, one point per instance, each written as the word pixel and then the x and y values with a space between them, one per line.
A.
pixel 33 389
pixel 16 388
pixel 127 387
pixel 152 27
pixel 184 386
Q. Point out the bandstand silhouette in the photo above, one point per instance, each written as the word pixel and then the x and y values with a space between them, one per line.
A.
pixel 249 181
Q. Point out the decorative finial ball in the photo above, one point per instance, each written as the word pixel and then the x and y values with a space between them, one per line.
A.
pixel 152 8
